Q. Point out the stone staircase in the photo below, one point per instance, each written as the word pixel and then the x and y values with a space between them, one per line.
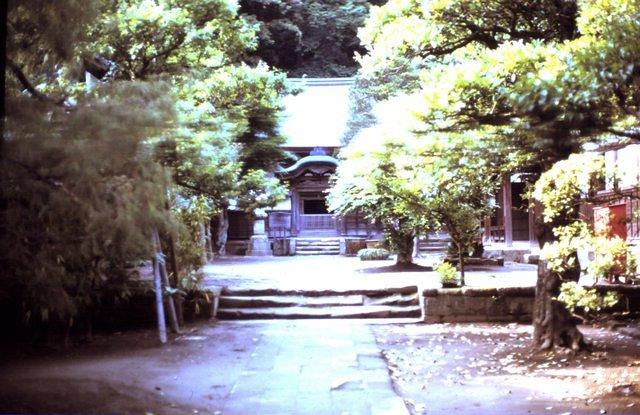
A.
pixel 267 304
pixel 317 246
pixel 436 244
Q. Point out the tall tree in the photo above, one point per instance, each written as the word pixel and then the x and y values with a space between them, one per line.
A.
pixel 82 190
pixel 541 78
pixel 228 110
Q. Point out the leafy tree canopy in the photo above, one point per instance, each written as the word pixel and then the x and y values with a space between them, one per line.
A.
pixel 538 78
pixel 87 177
pixel 312 38
pixel 81 190
pixel 419 183
pixel 228 110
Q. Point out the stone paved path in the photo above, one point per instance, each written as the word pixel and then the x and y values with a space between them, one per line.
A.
pixel 275 367
pixel 314 368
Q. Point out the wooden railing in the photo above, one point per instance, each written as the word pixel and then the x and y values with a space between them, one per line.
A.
pixel 317 222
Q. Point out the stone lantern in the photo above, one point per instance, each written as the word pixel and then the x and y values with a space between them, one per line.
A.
pixel 259 244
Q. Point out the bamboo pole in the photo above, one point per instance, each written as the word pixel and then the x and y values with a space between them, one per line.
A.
pixel 173 261
pixel 162 327
pixel 162 268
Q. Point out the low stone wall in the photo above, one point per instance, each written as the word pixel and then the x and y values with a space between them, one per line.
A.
pixel 504 304
pixel 478 304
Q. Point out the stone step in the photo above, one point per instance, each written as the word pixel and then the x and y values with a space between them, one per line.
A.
pixel 326 301
pixel 268 313
pixel 315 252
pixel 399 300
pixel 434 246
pixel 310 292
pixel 298 244
pixel 319 246
pixel 318 249
pixel 303 240
pixel 290 301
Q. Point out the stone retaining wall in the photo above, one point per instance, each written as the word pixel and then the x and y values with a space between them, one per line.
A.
pixel 503 304
pixel 478 304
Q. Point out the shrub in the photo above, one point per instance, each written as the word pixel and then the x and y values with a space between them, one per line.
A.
pixel 581 299
pixel 373 254
pixel 612 258
pixel 448 273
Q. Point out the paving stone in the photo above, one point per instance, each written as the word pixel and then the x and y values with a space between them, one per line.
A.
pixel 280 367
pixel 368 362
pixel 317 404
pixel 389 406
pixel 350 402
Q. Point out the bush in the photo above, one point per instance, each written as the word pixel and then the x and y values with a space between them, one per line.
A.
pixel 448 274
pixel 375 254
pixel 581 300
pixel 612 258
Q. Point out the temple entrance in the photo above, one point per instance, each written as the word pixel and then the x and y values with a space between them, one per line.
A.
pixel 315 217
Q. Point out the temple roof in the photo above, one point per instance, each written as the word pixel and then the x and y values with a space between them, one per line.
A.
pixel 318 115
pixel 307 162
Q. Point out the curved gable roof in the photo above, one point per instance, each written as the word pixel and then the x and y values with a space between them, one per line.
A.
pixel 306 162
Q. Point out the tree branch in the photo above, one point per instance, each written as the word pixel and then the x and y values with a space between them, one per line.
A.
pixel 28 85
pixel 56 184
pixel 632 134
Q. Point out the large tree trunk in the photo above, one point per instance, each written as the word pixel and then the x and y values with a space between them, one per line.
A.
pixel 553 324
pixel 203 242
pixel 416 246
pixel 405 250
pixel 223 228
pixel 461 263
pixel 208 246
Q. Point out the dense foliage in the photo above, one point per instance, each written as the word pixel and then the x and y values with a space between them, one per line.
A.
pixel 413 184
pixel 312 38
pixel 171 127
pixel 373 254
pixel 81 189
pixel 538 79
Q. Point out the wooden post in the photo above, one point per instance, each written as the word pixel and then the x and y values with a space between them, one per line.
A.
pixel 506 210
pixel 487 230
pixel 295 213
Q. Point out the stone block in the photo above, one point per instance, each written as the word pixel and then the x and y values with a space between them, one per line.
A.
pixel 259 245
pixel 531 258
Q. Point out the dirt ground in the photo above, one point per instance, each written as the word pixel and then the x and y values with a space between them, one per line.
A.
pixel 438 368
pixel 488 369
